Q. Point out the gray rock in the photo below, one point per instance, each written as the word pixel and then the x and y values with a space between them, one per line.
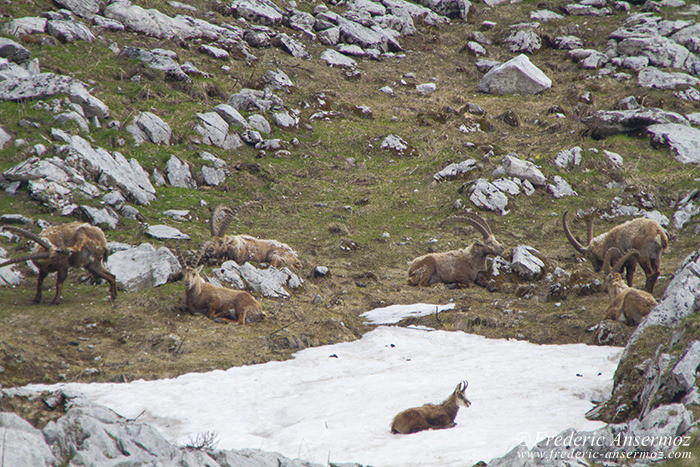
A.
pixel 215 131
pixel 259 123
pixel 55 170
pixel 54 196
pixel 8 275
pixel 476 48
pixel 336 59
pixel 38 86
pixel 523 41
pixel 614 158
pixel 255 101
pixel 510 186
pixel 579 9
pixel 604 123
pixel 103 217
pixel 652 77
pixel 687 208
pixel 560 188
pixel 294 47
pixel 27 447
pixel 398 146
pixel 524 170
pixel 92 107
pixel 153 127
pixel 144 266
pixel 83 8
pixel 270 282
pixel 231 115
pixel 569 157
pixel 258 11
pixel 285 119
pixel 5 137
pixel 277 79
pixel 545 15
pixel 214 52
pixel 151 22
pixel 66 118
pixel 682 140
pixel 218 163
pixel 178 173
pixel 330 36
pixel 526 262
pixel 213 176
pixel 13 51
pixel 425 88
pixel 485 195
pixel 455 170
pixel 157 59
pixel 164 232
pixel 178 214
pixel 69 31
pixel 108 24
pixel 110 169
pixel 25 26
pixel 516 76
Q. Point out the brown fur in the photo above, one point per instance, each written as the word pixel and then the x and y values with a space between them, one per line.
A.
pixel 65 246
pixel 627 304
pixel 431 416
pixel 462 267
pixel 219 303
pixel 644 235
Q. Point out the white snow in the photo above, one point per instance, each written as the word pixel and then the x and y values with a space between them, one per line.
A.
pixel 337 402
pixel 394 313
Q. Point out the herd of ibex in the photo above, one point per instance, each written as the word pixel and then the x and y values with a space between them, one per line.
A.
pixel 640 241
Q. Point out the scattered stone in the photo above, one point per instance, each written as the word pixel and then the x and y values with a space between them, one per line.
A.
pixel 103 217
pixel 144 266
pixel 524 170
pixel 149 127
pixel 178 173
pixel 215 131
pixel 398 146
pixel 682 140
pixel 333 58
pixel 560 188
pixel 516 76
pixel 485 195
pixel 526 262
pixel 568 158
pixel 270 282
pixel 426 88
pixel 164 232
pixel 455 170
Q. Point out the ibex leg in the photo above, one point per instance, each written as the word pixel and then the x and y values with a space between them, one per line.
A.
pixel 61 275
pixel 97 270
pixel 39 286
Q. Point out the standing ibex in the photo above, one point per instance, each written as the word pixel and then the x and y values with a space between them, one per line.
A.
pixel 218 303
pixel 644 235
pixel 60 247
pixel 242 248
pixel 431 416
pixel 627 304
pixel 462 267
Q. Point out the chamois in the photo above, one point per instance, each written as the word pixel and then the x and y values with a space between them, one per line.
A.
pixel 627 304
pixel 242 248
pixel 644 235
pixel 61 247
pixel 462 267
pixel 218 303
pixel 431 416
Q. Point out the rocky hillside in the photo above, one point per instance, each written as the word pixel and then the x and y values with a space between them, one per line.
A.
pixel 350 131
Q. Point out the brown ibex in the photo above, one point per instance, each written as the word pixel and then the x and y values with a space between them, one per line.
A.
pixel 61 247
pixel 218 303
pixel 627 304
pixel 644 235
pixel 431 416
pixel 462 267
pixel 242 248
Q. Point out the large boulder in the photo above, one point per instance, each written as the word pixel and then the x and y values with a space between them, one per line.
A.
pixel 270 282
pixel 143 267
pixel 516 76
pixel 682 140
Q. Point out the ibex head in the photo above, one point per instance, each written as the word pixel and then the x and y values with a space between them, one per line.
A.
pixel 493 247
pixel 596 262
pixel 613 270
pixel 460 394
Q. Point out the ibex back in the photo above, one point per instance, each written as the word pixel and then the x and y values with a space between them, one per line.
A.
pixel 60 247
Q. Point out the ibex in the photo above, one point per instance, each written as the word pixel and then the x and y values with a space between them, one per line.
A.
pixel 218 303
pixel 462 267
pixel 242 248
pixel 431 416
pixel 644 235
pixel 61 247
pixel 627 304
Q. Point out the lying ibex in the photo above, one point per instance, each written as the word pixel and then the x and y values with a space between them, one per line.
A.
pixel 462 267
pixel 627 304
pixel 431 416
pixel 644 235
pixel 242 248
pixel 60 247
pixel 218 303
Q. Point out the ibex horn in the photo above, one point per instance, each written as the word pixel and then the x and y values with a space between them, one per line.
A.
pixel 608 259
pixel 200 254
pixel 215 222
pixel 621 261
pixel 471 221
pixel 480 220
pixel 41 255
pixel 580 248
pixel 30 236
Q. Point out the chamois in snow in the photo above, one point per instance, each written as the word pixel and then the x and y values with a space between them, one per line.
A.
pixel 432 416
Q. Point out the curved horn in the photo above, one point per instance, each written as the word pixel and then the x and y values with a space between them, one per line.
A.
pixel 218 218
pixel 30 236
pixel 41 255
pixel 608 259
pixel 471 221
pixel 580 248
pixel 200 254
pixel 626 257
pixel 590 225
pixel 480 220
pixel 463 385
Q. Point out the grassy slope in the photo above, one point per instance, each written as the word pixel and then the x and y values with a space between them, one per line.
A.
pixel 145 335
